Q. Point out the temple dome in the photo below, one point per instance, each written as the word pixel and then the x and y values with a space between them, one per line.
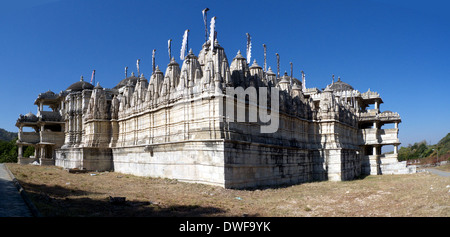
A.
pixel 340 86
pixel 80 85
pixel 285 78
pixel 132 79
pixel 31 117
pixel 47 95
pixel 270 72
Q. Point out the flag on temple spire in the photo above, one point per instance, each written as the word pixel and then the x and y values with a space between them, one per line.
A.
pixel 292 69
pixel 205 21
pixel 211 33
pixel 153 60
pixel 249 48
pixel 184 44
pixel 303 81
pixel 137 65
pixel 278 65
pixel 265 57
pixel 292 73
pixel 169 46
pixel 93 76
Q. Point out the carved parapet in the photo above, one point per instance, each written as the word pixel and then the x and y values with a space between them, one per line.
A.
pixel 370 95
pixel 386 116
pixel 389 116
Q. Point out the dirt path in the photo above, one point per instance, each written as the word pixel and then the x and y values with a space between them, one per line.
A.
pixel 438 172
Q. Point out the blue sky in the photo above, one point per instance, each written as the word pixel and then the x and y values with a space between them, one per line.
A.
pixel 401 49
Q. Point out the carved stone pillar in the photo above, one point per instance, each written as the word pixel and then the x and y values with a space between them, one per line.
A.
pixel 36 153
pixel 20 151
pixel 20 133
pixel 42 152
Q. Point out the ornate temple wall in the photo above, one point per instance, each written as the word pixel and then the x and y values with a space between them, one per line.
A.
pixel 340 151
pixel 179 141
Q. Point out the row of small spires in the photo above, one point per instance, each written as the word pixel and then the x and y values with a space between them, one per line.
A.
pixel 254 65
pixel 212 37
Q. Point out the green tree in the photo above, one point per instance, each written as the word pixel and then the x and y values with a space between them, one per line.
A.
pixel 29 151
pixel 8 151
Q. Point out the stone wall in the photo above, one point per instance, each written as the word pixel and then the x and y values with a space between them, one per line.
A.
pixel 99 159
pixel 249 164
pixel 189 161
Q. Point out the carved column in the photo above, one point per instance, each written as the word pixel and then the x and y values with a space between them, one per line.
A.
pixel 36 153
pixel 20 132
pixel 42 152
pixel 20 151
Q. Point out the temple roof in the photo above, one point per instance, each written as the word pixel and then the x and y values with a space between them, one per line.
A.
pixel 340 86
pixel 80 85
pixel 255 65
pixel 47 95
pixel 30 117
pixel 270 72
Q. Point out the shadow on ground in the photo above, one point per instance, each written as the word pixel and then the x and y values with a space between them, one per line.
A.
pixel 58 201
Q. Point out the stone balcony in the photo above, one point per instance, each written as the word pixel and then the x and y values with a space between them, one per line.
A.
pixel 373 136
pixel 49 116
pixel 29 137
pixel 52 137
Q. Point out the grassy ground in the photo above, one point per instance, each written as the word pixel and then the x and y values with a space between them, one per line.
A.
pixel 56 192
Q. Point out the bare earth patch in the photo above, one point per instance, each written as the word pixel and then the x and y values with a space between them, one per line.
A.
pixel 56 192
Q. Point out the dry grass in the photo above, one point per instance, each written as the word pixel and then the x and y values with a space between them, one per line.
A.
pixel 56 192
